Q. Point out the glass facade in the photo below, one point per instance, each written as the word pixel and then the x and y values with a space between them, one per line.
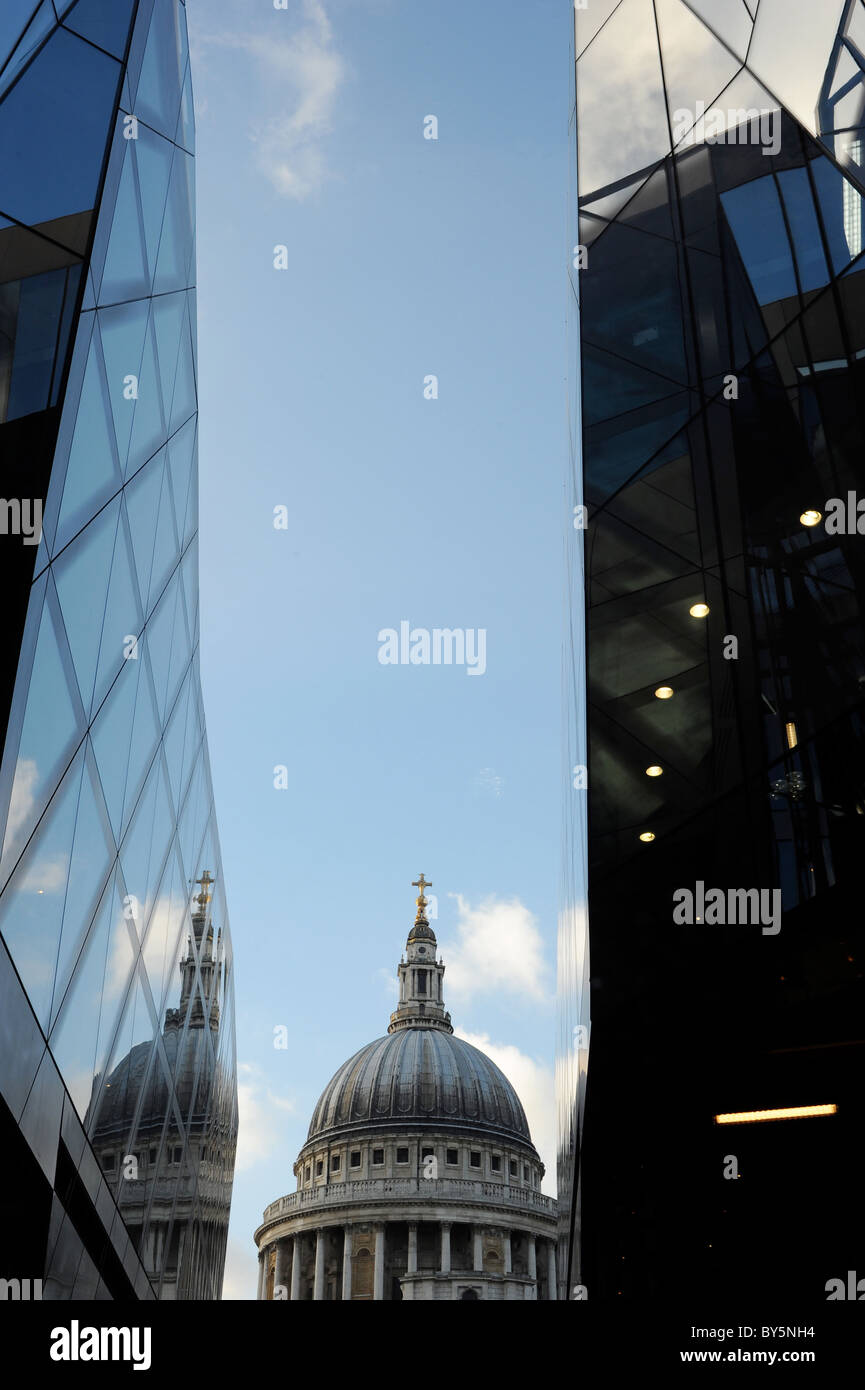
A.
pixel 117 1057
pixel 719 296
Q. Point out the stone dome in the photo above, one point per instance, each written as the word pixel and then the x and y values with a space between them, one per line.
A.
pixel 422 1076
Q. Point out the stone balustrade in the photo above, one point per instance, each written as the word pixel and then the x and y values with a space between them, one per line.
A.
pixel 434 1189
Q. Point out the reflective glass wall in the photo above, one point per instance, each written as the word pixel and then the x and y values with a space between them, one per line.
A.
pixel 722 366
pixel 117 1063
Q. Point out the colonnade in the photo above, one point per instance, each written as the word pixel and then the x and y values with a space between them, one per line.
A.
pixel 293 1245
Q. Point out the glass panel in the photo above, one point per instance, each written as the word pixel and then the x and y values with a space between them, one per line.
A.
pixel 590 19
pixel 93 853
pixel 81 575
pixel 110 736
pixel 841 209
pixel 51 730
pixel 157 100
pixel 108 965
pixel 169 312
pixel 125 274
pixel 14 18
pixel 122 330
pixel 146 841
pixel 172 267
pixel 109 1118
pixel 153 156
pixel 53 130
pixel 174 742
pixel 799 205
pixel 165 552
pixel 160 636
pixel 123 617
pixel 30 316
pixel 644 322
pixel 31 908
pixel 148 429
pixel 621 133
pixel 755 217
pixel 696 66
pixel 728 19
pixel 145 735
pixel 791 50
pixel 105 25
pixel 142 496
pixel 184 400
pixel 163 946
pixel 181 461
pixel 41 24
pixel 91 473
pixel 185 133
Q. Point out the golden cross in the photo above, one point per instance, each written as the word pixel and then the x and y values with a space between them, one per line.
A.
pixel 205 881
pixel 421 883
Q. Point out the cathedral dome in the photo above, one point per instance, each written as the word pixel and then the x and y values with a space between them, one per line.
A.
pixel 420 1076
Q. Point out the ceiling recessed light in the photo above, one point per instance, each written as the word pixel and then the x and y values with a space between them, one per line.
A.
pixel 699 610
pixel 647 837
pixel 664 692
pixel 811 517
pixel 654 770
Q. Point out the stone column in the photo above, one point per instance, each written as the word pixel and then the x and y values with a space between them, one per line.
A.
pixel 296 1262
pixel 533 1264
pixel 279 1271
pixel 509 1264
pixel 262 1266
pixel 378 1273
pixel 552 1289
pixel 318 1283
pixel 478 1256
pixel 346 1262
pixel 412 1249
pixel 445 1267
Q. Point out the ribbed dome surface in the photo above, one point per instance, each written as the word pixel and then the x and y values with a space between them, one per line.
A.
pixel 420 1074
pixel 121 1088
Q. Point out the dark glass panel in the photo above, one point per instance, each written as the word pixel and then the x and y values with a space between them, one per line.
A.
pixel 105 25
pixel 41 24
pixel 53 129
pixel 755 216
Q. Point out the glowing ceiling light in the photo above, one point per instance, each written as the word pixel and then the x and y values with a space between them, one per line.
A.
pixel 664 692
pixel 654 770
pixel 792 735
pixel 811 517
pixel 699 610
pixel 647 837
pixel 790 1112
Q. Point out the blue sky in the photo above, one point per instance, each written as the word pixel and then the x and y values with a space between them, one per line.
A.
pixel 406 257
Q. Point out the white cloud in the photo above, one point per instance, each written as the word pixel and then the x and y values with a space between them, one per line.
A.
pixel 259 1132
pixel 499 948
pixel 298 78
pixel 389 981
pixel 489 780
pixel 534 1084
pixel 22 800
pixel 241 1271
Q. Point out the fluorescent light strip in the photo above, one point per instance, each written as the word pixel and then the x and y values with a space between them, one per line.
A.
pixel 793 1112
